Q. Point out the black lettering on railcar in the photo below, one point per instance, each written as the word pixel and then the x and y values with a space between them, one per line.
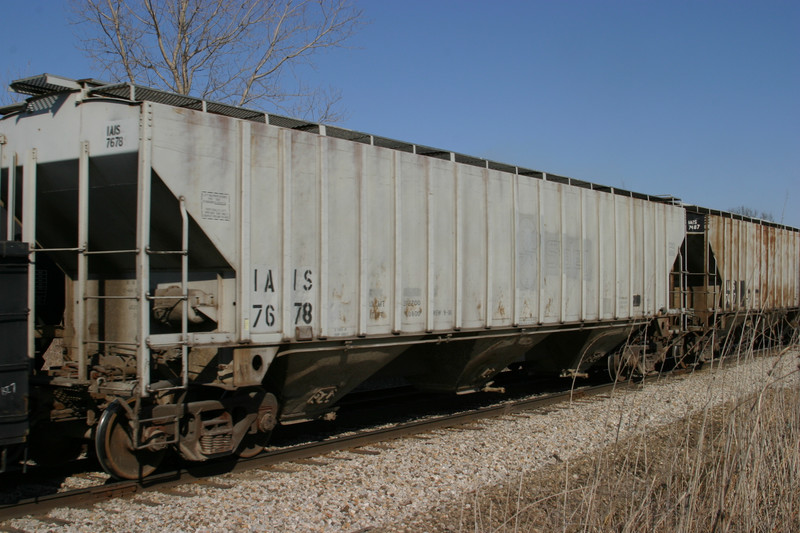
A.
pixel 695 223
pixel 269 314
pixel 269 284
pixel 215 205
pixel 114 137
pixel 303 311
pixel 306 278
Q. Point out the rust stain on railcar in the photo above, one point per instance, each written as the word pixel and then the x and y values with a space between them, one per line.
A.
pixel 501 310
pixel 527 312
pixel 770 284
pixel 767 284
pixel 412 309
pixel 376 311
pixel 735 297
pixel 777 268
pixel 760 282
pixel 781 258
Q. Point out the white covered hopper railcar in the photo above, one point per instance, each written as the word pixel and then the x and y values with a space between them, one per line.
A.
pixel 220 270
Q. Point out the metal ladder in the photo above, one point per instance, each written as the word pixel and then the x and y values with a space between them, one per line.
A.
pixel 83 253
pixel 184 296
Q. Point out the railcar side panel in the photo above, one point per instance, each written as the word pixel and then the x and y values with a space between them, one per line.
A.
pixel 590 254
pixel 607 250
pixel 571 252
pixel 764 268
pixel 527 269
pixel 414 243
pixel 343 206
pixel 654 234
pixel 379 227
pixel 550 249
pixel 640 266
pixel 756 262
pixel 473 245
pixel 751 266
pixel 262 296
pixel 792 268
pixel 500 249
pixel 441 277
pixel 622 256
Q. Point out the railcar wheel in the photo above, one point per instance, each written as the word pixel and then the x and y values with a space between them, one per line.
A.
pixel 253 444
pixel 254 441
pixel 114 444
pixel 617 370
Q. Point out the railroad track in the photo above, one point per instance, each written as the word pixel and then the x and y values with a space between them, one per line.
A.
pixel 90 495
pixel 82 497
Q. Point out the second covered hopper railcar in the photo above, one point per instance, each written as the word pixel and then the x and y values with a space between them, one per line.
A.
pixel 204 272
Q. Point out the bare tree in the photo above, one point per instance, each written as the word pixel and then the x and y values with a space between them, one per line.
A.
pixel 5 93
pixel 7 96
pixel 752 213
pixel 241 52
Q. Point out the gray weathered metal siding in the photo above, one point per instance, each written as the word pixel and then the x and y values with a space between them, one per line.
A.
pixel 357 239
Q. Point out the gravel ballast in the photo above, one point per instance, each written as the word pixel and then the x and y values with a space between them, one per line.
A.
pixel 348 491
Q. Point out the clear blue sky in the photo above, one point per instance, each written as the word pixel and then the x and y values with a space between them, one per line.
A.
pixel 698 99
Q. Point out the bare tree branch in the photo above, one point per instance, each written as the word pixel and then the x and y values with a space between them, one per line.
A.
pixel 752 213
pixel 7 96
pixel 243 52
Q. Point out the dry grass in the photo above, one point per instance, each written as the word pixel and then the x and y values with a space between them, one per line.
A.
pixel 734 467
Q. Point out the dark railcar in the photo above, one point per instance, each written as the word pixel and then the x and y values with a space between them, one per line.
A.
pixel 14 362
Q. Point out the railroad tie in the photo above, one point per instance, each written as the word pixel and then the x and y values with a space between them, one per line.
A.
pixel 180 493
pixel 362 451
pixel 312 462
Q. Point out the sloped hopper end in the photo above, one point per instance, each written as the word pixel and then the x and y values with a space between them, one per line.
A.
pixel 112 219
pixel 575 352
pixel 165 234
pixel 311 383
pixel 469 365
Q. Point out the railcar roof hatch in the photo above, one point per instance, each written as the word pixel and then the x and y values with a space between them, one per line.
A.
pixel 44 84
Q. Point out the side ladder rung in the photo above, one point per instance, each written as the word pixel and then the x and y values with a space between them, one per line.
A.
pixel 110 297
pixel 37 250
pixel 167 252
pixel 109 252
pixel 118 343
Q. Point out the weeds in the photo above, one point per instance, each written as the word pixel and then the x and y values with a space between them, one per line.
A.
pixel 731 467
